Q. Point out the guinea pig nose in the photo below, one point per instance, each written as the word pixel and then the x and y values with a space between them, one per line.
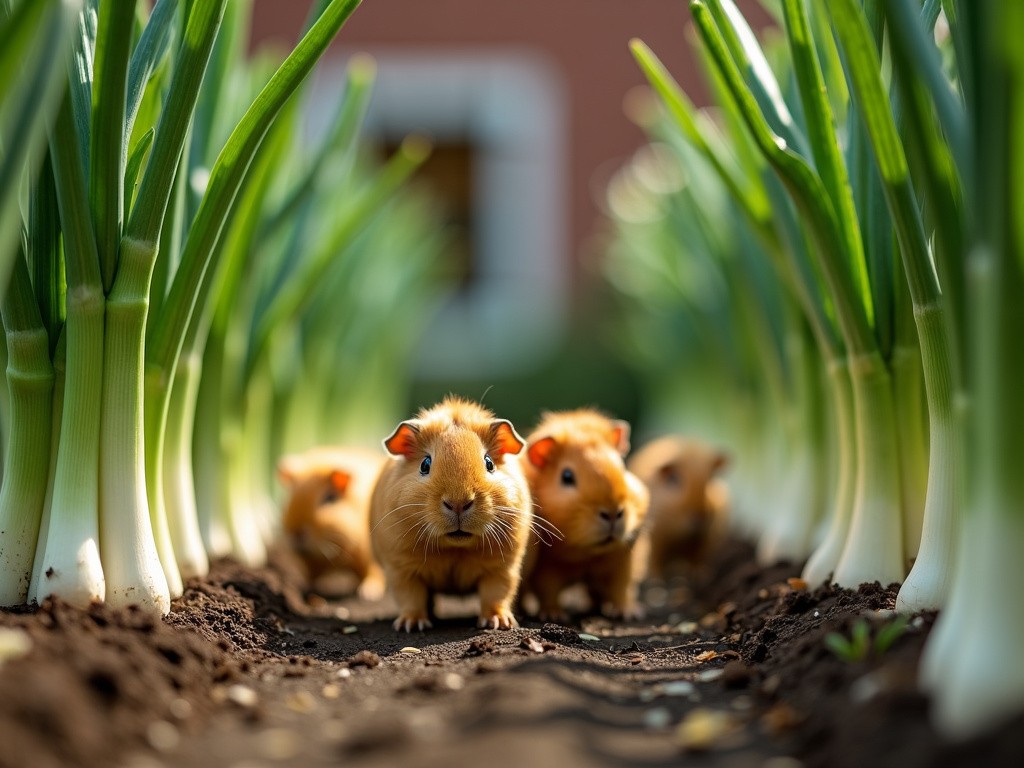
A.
pixel 458 507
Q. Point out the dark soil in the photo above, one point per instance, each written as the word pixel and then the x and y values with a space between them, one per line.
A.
pixel 249 671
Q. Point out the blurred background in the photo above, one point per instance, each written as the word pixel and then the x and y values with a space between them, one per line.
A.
pixel 524 104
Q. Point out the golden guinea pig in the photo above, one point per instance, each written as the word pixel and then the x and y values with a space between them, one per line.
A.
pixel 582 489
pixel 326 515
pixel 688 519
pixel 451 513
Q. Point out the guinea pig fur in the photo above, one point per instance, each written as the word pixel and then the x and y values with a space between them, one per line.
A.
pixel 451 513
pixel 689 503
pixel 581 488
pixel 326 515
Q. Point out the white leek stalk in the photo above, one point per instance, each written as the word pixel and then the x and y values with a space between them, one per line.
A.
pixel 135 573
pixel 56 414
pixel 179 489
pixel 874 544
pixel 70 566
pixel 823 561
pixel 27 457
pixel 928 585
pixel 908 391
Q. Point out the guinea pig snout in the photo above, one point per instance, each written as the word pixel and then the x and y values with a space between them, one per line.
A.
pixel 614 520
pixel 458 509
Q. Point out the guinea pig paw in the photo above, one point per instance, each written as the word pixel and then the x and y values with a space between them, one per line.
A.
pixel 499 620
pixel 410 622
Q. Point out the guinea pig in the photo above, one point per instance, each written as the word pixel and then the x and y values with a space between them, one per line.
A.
pixel 451 513
pixel 326 516
pixel 689 504
pixel 582 489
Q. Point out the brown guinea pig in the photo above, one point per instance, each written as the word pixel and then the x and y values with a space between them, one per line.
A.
pixel 581 488
pixel 326 517
pixel 451 513
pixel 688 517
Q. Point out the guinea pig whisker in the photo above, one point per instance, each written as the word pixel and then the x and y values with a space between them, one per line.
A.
pixel 330 549
pixel 502 530
pixel 391 512
pixel 398 521
pixel 539 525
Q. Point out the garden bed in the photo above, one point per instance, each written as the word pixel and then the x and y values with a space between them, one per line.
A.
pixel 246 671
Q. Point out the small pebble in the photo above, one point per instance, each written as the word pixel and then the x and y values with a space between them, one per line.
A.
pixel 341 612
pixel 710 674
pixel 180 708
pixel 817 614
pixel 279 743
pixel 14 643
pixel 742 703
pixel 301 702
pixel 678 688
pixel 410 649
pixel 702 729
pixel 331 691
pixel 351 629
pixel 343 672
pixel 453 681
pixel 533 644
pixel 589 638
pixel 162 736
pixel 242 695
pixel 657 718
pixel 657 597
pixel 865 688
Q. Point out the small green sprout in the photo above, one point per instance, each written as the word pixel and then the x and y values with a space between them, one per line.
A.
pixel 858 646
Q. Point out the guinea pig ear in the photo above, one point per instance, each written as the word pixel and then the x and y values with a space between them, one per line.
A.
pixel 670 474
pixel 540 451
pixel 720 462
pixel 403 441
pixel 504 438
pixel 619 436
pixel 339 480
pixel 288 471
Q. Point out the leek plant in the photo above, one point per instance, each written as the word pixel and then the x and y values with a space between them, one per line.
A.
pixel 740 368
pixel 920 279
pixel 973 690
pixel 30 88
pixel 834 148
pixel 80 300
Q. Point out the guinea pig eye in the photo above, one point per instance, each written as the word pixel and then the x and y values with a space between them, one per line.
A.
pixel 329 497
pixel 488 463
pixel 568 477
pixel 425 466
